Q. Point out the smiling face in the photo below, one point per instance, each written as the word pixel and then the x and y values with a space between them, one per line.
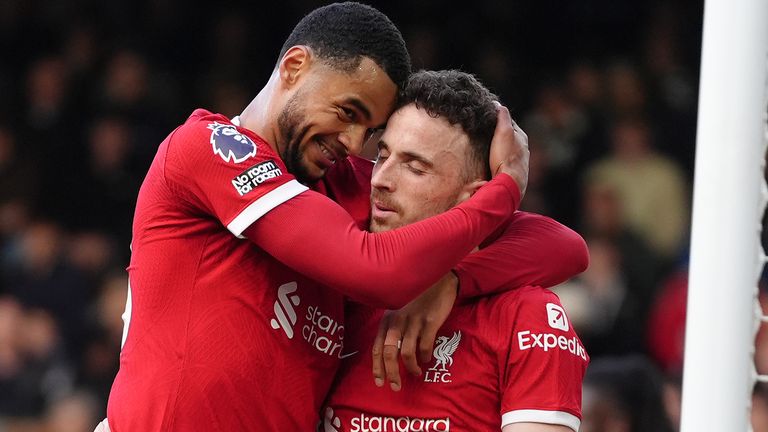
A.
pixel 329 115
pixel 421 170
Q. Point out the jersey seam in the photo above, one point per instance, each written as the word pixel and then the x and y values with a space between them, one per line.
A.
pixel 176 188
pixel 514 304
pixel 185 354
pixel 165 160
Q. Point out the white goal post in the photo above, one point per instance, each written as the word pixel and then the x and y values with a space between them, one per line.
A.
pixel 728 203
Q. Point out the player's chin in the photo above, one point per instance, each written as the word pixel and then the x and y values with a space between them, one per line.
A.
pixel 318 164
pixel 381 225
pixel 312 172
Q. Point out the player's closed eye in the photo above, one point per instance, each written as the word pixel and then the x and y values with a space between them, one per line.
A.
pixel 414 170
pixel 348 114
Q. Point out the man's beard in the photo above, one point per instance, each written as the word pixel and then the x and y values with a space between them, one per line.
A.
pixel 406 217
pixel 292 133
pixel 385 199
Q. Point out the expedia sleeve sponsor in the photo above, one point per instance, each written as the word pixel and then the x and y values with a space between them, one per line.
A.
pixel 547 341
pixel 247 180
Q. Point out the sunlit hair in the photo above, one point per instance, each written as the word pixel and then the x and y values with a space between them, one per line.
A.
pixel 341 34
pixel 462 100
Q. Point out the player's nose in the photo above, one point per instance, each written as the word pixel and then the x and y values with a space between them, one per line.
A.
pixel 382 177
pixel 353 138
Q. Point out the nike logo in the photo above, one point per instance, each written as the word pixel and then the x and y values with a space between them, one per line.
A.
pixel 343 356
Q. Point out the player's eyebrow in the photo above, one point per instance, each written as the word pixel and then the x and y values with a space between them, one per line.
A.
pixel 382 144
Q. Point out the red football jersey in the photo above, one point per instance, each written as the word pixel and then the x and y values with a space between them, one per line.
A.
pixel 504 359
pixel 221 336
pixel 209 315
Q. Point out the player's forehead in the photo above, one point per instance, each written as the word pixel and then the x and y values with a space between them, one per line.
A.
pixel 413 130
pixel 367 87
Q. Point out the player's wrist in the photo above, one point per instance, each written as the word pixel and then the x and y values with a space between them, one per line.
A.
pixel 510 184
pixel 455 281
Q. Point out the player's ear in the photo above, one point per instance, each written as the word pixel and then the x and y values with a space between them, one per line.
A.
pixel 469 189
pixel 294 64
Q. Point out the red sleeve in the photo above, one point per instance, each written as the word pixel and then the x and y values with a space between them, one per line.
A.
pixel 225 171
pixel 316 237
pixel 348 182
pixel 542 364
pixel 532 250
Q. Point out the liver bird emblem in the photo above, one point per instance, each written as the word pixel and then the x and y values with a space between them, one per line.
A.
pixel 444 351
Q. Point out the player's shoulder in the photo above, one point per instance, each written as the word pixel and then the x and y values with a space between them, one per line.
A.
pixel 201 118
pixel 535 221
pixel 529 304
pixel 202 122
pixel 201 127
pixel 524 298
pixel 222 133
pixel 208 134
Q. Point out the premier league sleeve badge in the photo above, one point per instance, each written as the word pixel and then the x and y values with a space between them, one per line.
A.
pixel 230 144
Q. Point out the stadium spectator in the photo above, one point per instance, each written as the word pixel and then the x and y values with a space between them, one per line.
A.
pixel 651 188
pixel 609 303
pixel 75 412
pixel 38 371
pixel 41 278
pixel 624 394
pixel 666 323
pixel 759 414
pixel 558 127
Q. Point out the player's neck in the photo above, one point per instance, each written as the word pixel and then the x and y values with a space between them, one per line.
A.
pixel 258 117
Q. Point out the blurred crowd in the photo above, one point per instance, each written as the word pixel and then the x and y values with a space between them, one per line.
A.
pixel 606 90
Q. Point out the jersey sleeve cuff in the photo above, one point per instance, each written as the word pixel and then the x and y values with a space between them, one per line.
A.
pixel 511 185
pixel 467 286
pixel 263 205
pixel 541 416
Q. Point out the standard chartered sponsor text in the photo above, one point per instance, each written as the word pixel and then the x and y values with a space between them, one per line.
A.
pixel 323 332
pixel 366 423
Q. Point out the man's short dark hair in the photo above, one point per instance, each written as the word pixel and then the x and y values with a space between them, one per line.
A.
pixel 462 100
pixel 341 34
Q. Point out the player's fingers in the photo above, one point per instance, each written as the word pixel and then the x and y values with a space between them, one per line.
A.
pixel 408 349
pixel 378 352
pixel 392 343
pixel 505 126
pixel 392 372
pixel 504 118
pixel 394 330
pixel 520 136
pixel 427 340
pixel 503 139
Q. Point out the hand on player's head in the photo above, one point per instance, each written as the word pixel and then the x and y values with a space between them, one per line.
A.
pixel 509 150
